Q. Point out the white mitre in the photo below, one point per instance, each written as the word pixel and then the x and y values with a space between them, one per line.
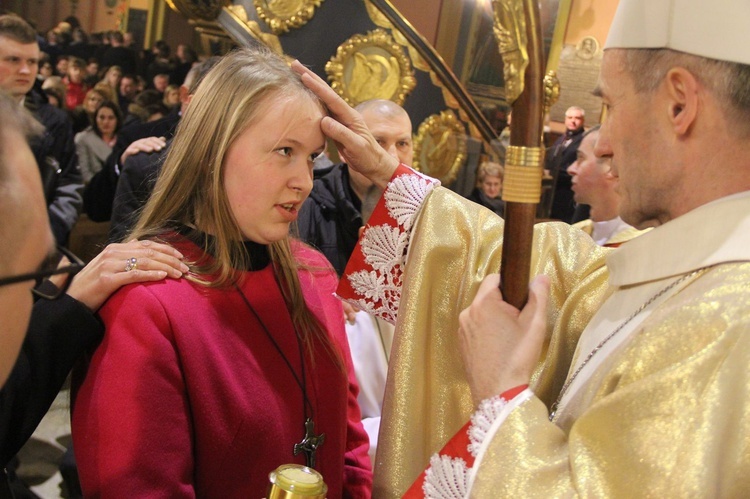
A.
pixel 716 29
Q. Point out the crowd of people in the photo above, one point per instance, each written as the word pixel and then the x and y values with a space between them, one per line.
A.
pixel 81 73
pixel 217 350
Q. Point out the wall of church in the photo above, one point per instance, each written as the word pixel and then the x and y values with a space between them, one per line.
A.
pixel 95 15
pixel 585 20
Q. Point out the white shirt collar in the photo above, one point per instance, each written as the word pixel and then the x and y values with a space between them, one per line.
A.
pixel 716 232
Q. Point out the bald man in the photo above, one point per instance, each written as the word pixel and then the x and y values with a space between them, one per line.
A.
pixel 559 157
pixel 331 217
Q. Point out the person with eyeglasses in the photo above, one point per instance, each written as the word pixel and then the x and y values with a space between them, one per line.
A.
pixel 41 340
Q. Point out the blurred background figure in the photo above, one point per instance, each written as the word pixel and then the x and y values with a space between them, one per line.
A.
pixel 559 157
pixel 94 145
pixel 172 96
pixel 489 187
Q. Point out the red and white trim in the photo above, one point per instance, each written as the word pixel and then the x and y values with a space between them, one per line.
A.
pixel 373 278
pixel 451 472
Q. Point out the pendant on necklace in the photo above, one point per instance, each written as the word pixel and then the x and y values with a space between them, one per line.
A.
pixel 309 445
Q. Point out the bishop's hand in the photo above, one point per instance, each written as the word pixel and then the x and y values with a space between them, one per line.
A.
pixel 347 128
pixel 499 344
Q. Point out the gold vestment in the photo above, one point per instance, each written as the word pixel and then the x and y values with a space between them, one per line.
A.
pixel 666 412
pixel 455 244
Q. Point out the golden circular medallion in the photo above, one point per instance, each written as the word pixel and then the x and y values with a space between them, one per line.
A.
pixel 440 146
pixel 371 66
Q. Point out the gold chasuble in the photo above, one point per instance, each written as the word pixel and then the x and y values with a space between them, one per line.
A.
pixel 454 244
pixel 664 410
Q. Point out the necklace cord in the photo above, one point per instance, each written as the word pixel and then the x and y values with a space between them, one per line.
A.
pixel 303 383
pixel 611 335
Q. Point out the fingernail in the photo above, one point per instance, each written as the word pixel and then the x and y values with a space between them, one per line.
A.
pixel 184 268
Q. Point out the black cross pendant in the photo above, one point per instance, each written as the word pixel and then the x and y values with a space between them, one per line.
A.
pixel 309 445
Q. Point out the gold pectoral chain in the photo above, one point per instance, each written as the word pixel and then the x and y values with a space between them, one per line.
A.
pixel 611 335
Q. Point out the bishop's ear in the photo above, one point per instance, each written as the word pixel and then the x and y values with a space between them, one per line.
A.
pixel 682 98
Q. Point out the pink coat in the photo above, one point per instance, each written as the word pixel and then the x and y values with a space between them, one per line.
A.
pixel 186 396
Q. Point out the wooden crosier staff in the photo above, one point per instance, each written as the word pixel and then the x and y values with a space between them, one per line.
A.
pixel 518 32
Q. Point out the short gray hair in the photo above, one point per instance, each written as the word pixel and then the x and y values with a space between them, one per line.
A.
pixel 728 81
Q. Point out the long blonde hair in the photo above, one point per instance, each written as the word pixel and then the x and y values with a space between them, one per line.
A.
pixel 190 188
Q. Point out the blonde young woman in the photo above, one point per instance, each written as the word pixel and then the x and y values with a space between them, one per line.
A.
pixel 204 385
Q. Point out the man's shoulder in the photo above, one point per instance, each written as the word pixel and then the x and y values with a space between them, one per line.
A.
pixel 143 164
pixel 158 128
pixel 50 116
pixel 330 186
pixel 585 225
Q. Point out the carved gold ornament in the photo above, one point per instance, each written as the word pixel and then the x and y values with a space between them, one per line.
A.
pixel 510 31
pixel 201 9
pixel 371 66
pixel 551 90
pixel 283 15
pixel 440 146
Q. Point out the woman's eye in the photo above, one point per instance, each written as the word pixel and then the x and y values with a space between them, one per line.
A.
pixel 315 156
pixel 284 151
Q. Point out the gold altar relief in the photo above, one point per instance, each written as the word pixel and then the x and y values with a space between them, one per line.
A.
pixel 371 66
pixel 578 72
pixel 202 9
pixel 440 146
pixel 510 32
pixel 283 15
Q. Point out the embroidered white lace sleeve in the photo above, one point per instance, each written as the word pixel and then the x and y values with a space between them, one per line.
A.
pixel 374 273
pixel 450 477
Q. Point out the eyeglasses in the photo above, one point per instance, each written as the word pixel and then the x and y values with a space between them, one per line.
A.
pixel 44 287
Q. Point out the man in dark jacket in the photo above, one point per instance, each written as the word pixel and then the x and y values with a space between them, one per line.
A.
pixel 40 342
pixel 54 150
pixel 561 155
pixel 140 170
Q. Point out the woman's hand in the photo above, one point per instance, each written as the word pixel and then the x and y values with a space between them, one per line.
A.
pixel 114 267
